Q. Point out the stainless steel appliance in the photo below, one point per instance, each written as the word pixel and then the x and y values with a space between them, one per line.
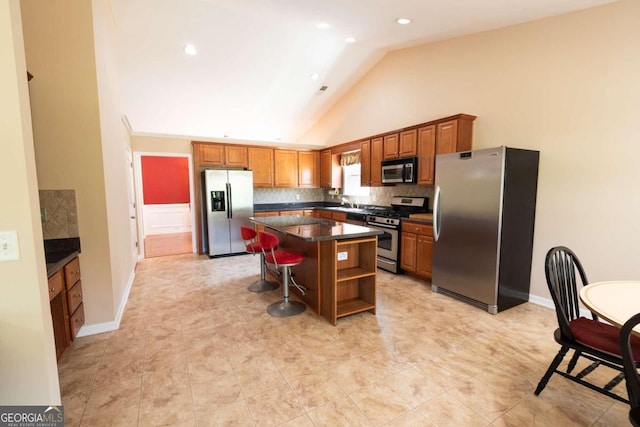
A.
pixel 483 218
pixel 399 171
pixel 228 197
pixel 388 221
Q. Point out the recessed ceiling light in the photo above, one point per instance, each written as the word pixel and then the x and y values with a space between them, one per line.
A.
pixel 350 39
pixel 190 50
pixel 323 25
pixel 314 76
pixel 403 21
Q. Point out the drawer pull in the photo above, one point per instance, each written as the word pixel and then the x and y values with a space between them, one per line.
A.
pixel 52 289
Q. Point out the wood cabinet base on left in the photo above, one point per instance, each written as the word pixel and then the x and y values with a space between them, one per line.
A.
pixel 65 299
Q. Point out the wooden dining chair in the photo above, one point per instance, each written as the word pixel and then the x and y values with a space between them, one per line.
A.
pixel 588 338
pixel 629 360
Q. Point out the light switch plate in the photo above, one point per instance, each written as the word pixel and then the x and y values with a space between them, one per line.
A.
pixel 9 250
pixel 343 256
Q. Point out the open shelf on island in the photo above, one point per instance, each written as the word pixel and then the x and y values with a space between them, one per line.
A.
pixel 353 306
pixel 349 281
pixel 353 273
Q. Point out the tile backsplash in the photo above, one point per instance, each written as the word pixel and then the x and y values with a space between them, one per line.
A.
pixel 59 214
pixel 287 195
pixel 377 196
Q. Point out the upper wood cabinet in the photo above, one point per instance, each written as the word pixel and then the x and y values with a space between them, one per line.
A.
pixel 223 155
pixel 376 161
pixel 426 154
pixel 330 170
pixel 236 156
pixel 408 143
pixel 365 163
pixel 261 163
pixel 212 155
pixel 400 145
pixel 286 170
pixel 454 135
pixel 308 169
pixel 371 162
pixel 390 146
pixel 449 136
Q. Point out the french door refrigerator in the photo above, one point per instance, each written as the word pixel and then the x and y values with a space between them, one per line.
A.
pixel 484 214
pixel 228 203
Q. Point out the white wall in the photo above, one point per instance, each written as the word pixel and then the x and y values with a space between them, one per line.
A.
pixel 59 47
pixel 81 141
pixel 28 358
pixel 567 86
pixel 115 142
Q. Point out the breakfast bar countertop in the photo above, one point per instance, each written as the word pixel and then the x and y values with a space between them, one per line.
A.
pixel 315 229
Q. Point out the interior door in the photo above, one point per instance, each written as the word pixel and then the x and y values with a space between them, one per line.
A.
pixel 133 225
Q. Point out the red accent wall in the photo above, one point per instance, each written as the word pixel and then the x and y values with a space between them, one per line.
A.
pixel 165 180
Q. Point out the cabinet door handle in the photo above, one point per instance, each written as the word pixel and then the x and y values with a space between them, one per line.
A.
pixel 52 289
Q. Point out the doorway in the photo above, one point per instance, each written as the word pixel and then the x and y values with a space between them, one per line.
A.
pixel 165 199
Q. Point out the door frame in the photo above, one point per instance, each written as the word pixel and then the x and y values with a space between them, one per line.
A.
pixel 140 198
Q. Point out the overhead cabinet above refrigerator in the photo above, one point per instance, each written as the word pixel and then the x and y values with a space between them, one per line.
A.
pixel 228 196
pixel 484 214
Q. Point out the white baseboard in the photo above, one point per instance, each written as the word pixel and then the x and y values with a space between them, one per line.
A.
pixel 114 325
pixel 548 303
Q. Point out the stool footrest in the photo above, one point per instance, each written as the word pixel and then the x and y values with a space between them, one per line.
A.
pixel 301 288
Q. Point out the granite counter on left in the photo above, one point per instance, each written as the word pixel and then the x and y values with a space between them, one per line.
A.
pixel 58 252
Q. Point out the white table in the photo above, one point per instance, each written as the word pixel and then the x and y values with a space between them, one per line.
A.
pixel 615 301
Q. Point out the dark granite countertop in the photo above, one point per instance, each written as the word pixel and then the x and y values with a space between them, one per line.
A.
pixel 315 229
pixel 59 252
pixel 428 221
pixel 268 207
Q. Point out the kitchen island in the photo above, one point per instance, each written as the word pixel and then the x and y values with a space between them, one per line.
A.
pixel 339 267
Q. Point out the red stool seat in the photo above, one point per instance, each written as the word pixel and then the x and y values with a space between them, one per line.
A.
pixel 284 257
pixel 255 247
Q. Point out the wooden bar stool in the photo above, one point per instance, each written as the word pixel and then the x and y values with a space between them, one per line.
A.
pixel 284 258
pixel 254 247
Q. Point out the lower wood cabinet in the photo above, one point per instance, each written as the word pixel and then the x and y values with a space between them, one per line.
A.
pixel 59 312
pixel 291 213
pixel 416 250
pixel 65 299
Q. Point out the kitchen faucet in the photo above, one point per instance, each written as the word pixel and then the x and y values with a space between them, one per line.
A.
pixel 351 204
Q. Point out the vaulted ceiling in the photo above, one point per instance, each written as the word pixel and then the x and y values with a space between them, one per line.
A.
pixel 251 77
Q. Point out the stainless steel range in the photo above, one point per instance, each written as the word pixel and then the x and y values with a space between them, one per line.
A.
pixel 388 221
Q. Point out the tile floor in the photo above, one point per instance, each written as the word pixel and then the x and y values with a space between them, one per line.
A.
pixel 196 348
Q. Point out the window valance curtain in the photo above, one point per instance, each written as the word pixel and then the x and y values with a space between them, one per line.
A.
pixel 350 158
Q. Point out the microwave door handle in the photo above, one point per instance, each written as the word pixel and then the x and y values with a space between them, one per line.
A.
pixel 404 172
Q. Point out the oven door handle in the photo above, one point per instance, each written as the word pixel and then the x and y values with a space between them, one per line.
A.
pixel 391 227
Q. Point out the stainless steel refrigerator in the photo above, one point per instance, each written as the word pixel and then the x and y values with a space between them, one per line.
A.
pixel 228 203
pixel 484 214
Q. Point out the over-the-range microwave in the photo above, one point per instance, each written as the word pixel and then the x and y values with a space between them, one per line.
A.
pixel 399 171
